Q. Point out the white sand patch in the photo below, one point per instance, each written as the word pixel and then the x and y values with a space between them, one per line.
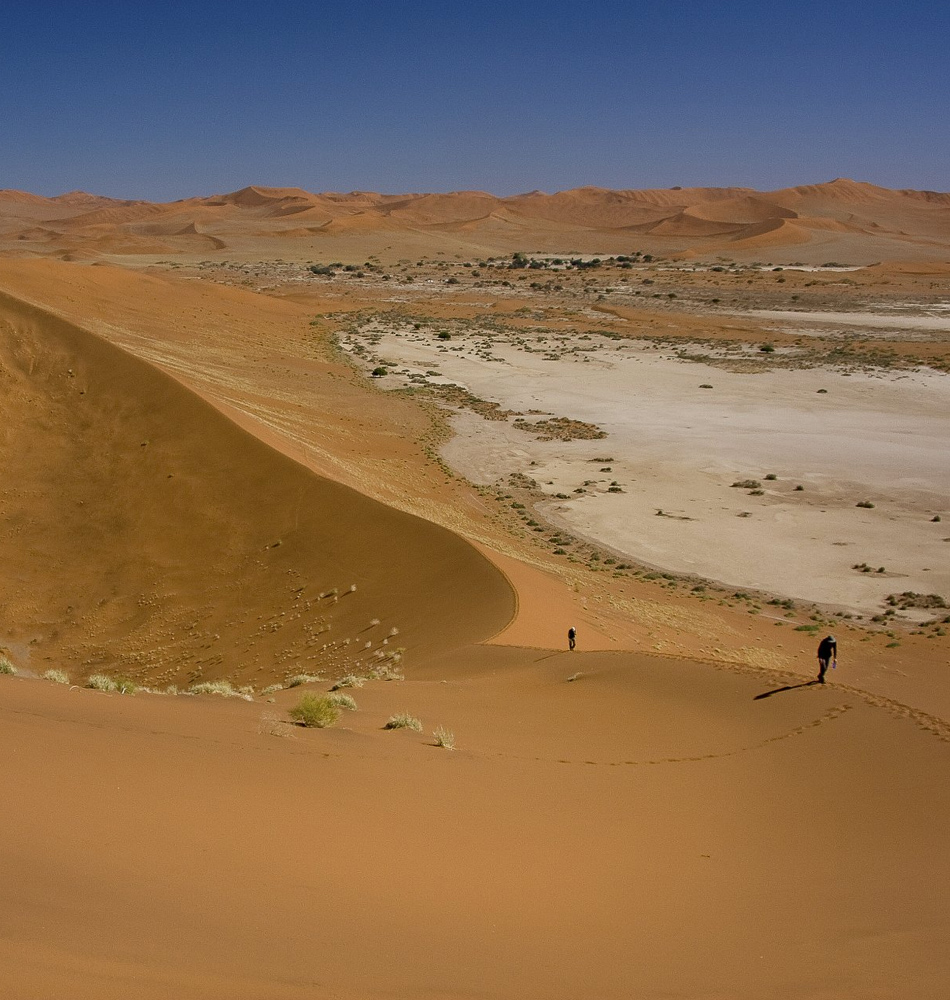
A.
pixel 883 438
pixel 871 320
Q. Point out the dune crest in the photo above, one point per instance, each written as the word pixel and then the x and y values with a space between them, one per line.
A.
pixel 158 539
pixel 672 221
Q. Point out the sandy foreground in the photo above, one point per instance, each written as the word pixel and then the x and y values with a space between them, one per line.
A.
pixel 650 829
pixel 197 488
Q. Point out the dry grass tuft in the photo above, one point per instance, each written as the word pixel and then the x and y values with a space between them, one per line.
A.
pixel 403 720
pixel 224 689
pixel 349 681
pixel 315 712
pixel 299 679
pixel 443 738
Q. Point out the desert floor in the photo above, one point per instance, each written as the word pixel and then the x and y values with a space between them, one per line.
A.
pixel 203 483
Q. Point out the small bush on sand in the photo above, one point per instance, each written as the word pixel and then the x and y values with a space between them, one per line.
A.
pixel 299 679
pixel 100 682
pixel 315 712
pixel 746 484
pixel 349 681
pixel 223 688
pixel 56 676
pixel 343 701
pixel 272 689
pixel 403 720
pixel 6 667
pixel 443 738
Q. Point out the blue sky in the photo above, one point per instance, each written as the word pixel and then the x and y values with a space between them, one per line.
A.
pixel 168 100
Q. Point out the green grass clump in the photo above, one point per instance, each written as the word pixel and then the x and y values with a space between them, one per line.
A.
pixel 403 720
pixel 6 667
pixel 315 712
pixel 56 676
pixel 343 701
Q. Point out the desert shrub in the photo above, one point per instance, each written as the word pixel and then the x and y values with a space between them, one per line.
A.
pixel 272 689
pixel 100 682
pixel 56 676
pixel 315 712
pixel 746 484
pixel 343 701
pixel 299 679
pixel 443 738
pixel 223 688
pixel 403 720
pixel 349 681
pixel 864 503
pixel 6 667
pixel 379 372
pixel 771 477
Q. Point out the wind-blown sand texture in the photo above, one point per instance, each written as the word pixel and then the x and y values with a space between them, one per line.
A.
pixel 194 482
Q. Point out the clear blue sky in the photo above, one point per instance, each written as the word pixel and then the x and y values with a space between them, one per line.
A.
pixel 172 99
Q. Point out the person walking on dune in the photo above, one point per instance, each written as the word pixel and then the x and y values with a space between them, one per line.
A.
pixel 571 637
pixel 827 653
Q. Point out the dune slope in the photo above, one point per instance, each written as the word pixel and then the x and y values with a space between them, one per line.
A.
pixel 146 533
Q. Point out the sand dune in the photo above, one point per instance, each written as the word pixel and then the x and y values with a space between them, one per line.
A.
pixel 155 538
pixel 672 221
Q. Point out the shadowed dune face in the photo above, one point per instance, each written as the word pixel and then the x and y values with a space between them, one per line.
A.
pixel 146 533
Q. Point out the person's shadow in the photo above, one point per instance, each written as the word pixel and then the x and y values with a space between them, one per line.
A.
pixel 787 687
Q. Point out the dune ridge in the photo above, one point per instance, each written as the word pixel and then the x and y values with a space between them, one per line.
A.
pixel 153 536
pixel 673 221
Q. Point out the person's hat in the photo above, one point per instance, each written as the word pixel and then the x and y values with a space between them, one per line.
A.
pixel 831 638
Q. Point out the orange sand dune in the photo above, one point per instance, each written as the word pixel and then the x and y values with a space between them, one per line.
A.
pixel 744 210
pixel 670 221
pixel 155 538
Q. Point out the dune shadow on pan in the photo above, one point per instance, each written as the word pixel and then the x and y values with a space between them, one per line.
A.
pixel 787 687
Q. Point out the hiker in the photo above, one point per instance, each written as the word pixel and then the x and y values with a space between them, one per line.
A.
pixel 827 653
pixel 571 637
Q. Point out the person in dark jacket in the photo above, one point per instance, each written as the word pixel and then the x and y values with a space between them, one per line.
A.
pixel 571 637
pixel 827 653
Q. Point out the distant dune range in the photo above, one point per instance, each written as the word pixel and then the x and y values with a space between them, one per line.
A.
pixel 863 222
pixel 145 531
